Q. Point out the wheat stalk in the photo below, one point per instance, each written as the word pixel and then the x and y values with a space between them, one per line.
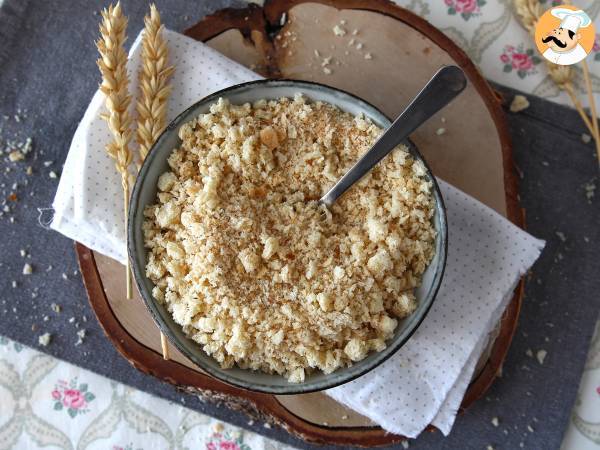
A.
pixel 528 13
pixel 113 67
pixel 151 106
pixel 154 87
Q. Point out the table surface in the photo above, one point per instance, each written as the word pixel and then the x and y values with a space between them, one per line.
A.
pixel 47 83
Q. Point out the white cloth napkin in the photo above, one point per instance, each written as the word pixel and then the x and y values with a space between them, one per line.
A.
pixel 425 381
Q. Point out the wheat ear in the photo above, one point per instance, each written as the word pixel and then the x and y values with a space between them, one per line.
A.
pixel 151 106
pixel 154 87
pixel 113 67
pixel 528 12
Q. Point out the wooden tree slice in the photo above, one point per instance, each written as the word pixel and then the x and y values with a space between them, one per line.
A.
pixel 291 38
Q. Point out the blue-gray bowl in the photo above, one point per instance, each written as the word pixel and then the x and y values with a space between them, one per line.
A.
pixel 144 193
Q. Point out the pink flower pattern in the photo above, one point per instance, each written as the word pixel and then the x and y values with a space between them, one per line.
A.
pixel 72 397
pixel 226 441
pixel 522 61
pixel 466 8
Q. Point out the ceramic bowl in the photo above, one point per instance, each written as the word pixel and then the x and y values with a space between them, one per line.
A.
pixel 144 193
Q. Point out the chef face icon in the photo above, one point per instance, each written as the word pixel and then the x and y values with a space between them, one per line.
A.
pixel 564 35
pixel 561 40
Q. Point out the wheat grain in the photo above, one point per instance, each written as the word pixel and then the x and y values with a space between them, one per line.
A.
pixel 113 67
pixel 154 87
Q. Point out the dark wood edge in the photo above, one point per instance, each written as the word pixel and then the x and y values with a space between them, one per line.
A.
pixel 264 406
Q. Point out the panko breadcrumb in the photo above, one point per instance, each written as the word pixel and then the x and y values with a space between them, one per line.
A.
pixel 254 269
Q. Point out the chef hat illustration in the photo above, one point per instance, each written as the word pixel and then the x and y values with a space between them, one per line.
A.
pixel 570 19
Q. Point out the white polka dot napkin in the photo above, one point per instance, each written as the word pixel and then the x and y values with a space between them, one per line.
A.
pixel 425 381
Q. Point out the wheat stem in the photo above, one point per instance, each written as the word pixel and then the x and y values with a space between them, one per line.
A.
pixel 151 106
pixel 113 67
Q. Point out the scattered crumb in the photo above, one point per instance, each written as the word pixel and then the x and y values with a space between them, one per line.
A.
pixel 489 447
pixel 56 308
pixel 325 424
pixel 529 353
pixel 317 54
pixel 49 268
pixel 530 428
pixel 72 319
pixel 339 31
pixel 354 32
pixel 586 138
pixel 14 284
pixel 52 174
pixel 541 356
pixel 545 163
pixel 495 421
pixel 15 156
pixel 44 339
pixel 267 425
pixel 327 70
pixel 27 269
pixel 359 46
pixel 368 56
pixel 440 131
pixel 250 422
pixel 326 61
pixel 561 236
pixel 351 42
pixel 46 318
pixel 23 253
pixel 48 163
pixel 443 119
pixel 80 336
pixel 218 427
pixel 404 443
pixel 343 22
pixel 29 170
pixel 590 189
pixel 344 417
pixel 64 276
pixel 519 103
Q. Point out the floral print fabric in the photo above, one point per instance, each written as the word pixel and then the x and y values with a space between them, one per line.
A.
pixel 47 403
pixel 488 31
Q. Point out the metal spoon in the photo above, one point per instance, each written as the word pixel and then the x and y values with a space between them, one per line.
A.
pixel 446 84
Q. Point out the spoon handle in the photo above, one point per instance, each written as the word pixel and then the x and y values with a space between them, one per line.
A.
pixel 446 84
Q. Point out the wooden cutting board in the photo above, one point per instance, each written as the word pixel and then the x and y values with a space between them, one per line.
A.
pixel 386 61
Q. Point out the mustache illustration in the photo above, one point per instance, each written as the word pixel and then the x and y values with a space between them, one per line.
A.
pixel 556 41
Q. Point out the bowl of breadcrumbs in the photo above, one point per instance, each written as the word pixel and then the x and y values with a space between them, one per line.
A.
pixel 247 274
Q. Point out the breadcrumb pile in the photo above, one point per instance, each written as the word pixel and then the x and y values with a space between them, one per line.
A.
pixel 254 269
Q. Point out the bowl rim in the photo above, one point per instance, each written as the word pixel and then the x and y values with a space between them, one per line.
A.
pixel 220 374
